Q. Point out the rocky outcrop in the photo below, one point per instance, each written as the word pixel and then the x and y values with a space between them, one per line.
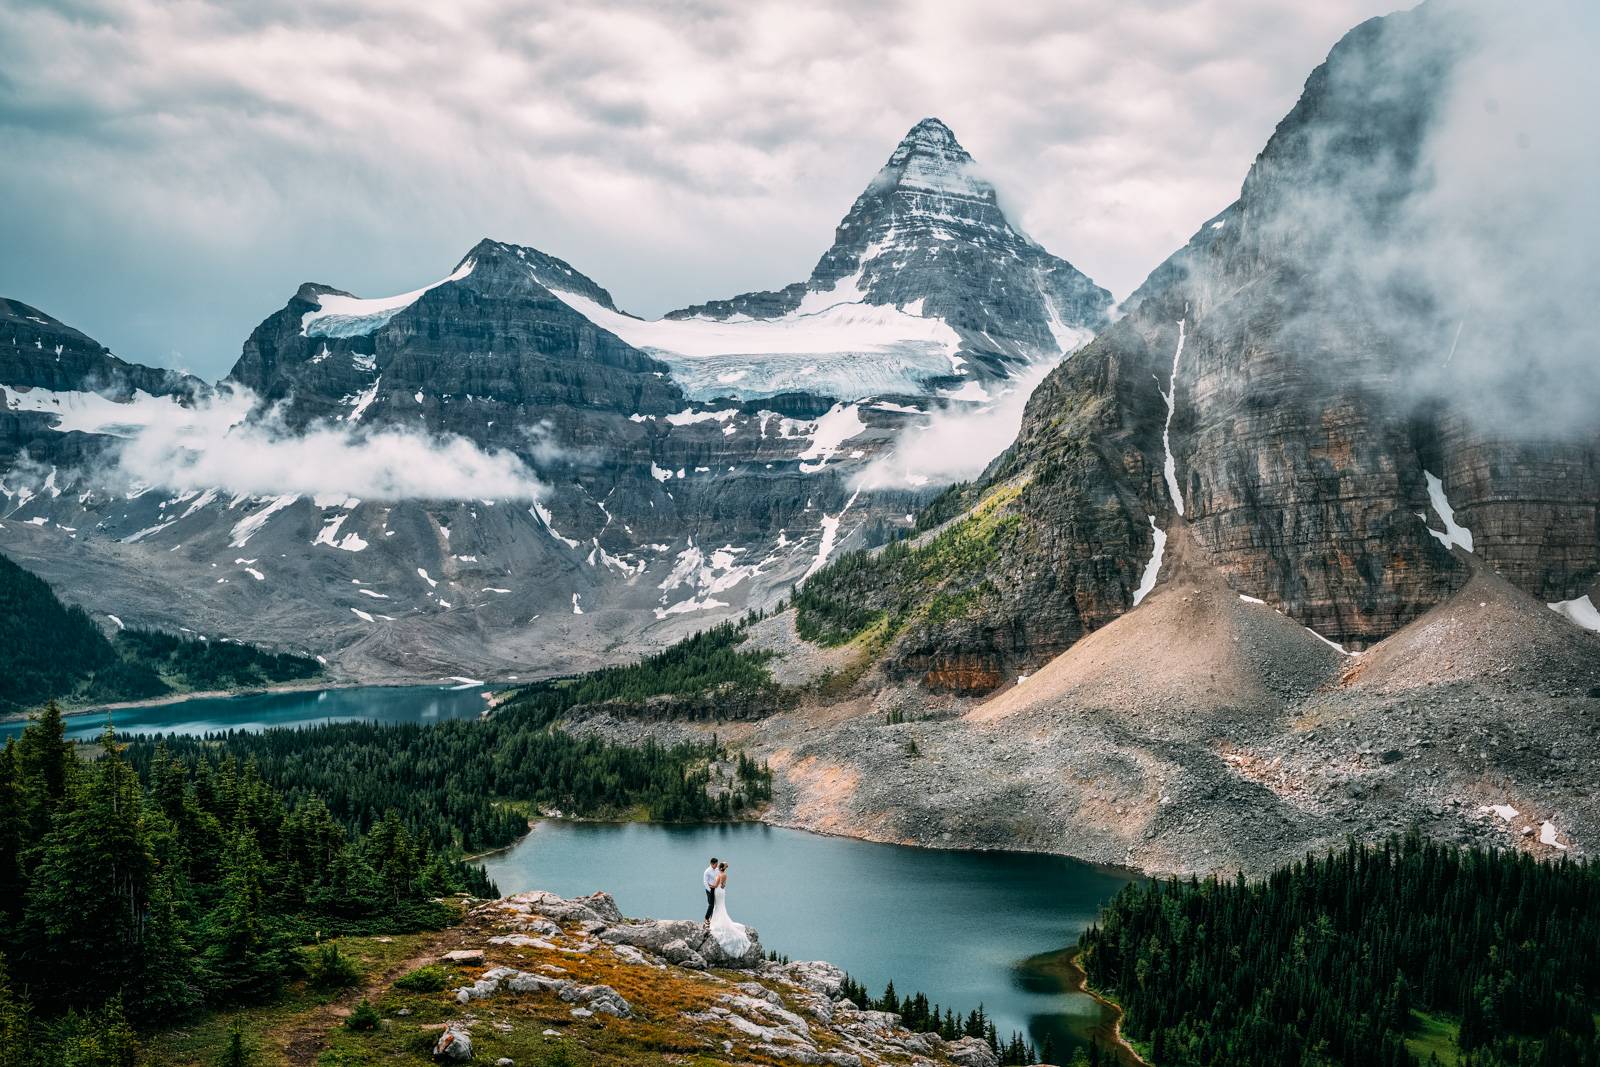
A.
pixel 552 970
pixel 42 357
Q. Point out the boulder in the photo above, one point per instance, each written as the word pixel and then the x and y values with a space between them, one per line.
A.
pixel 465 957
pixel 597 998
pixel 715 956
pixel 602 904
pixel 454 1045
pixel 680 953
pixel 653 935
pixel 971 1052
pixel 815 975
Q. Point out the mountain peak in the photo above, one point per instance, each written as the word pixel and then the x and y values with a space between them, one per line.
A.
pixel 931 131
pixel 929 158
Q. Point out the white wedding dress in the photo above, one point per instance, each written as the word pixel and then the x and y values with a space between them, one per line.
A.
pixel 729 934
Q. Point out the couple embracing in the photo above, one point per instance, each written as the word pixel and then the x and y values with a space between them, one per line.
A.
pixel 728 934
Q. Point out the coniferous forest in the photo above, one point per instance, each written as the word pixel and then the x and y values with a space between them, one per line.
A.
pixel 128 898
pixel 449 782
pixel 921 1017
pixel 145 881
pixel 1361 957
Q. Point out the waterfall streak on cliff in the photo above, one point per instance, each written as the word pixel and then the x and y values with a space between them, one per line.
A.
pixel 1170 467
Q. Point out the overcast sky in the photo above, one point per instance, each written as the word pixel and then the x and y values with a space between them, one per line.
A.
pixel 172 169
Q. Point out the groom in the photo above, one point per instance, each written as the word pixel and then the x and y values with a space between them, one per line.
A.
pixel 710 880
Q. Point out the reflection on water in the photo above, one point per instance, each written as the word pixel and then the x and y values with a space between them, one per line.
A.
pixel 963 927
pixel 261 711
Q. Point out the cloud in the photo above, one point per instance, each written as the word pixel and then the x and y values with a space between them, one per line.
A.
pixel 225 443
pixel 956 442
pixel 675 152
pixel 1470 246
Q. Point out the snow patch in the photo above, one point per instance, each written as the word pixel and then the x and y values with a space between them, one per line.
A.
pixel 1455 535
pixel 836 426
pixel 329 535
pixel 542 513
pixel 135 538
pixel 360 402
pixel 830 534
pixel 353 316
pixel 834 343
pixel 1152 569
pixel 1169 466
pixel 1581 611
pixel 250 525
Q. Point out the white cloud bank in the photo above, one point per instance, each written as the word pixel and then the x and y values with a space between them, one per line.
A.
pixel 957 441
pixel 217 444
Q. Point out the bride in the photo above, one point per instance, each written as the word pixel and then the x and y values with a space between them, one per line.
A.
pixel 729 934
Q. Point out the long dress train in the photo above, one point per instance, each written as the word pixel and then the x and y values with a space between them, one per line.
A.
pixel 729 934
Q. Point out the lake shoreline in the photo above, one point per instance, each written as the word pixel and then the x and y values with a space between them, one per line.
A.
pixel 69 711
pixel 1126 1054
pixel 1121 870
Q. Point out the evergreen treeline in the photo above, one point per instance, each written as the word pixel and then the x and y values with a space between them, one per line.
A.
pixel 449 781
pixel 129 897
pixel 193 663
pixel 921 1017
pixel 710 661
pixel 49 651
pixel 1328 960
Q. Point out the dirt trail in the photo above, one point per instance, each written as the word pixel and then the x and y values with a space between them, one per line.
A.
pixel 308 1035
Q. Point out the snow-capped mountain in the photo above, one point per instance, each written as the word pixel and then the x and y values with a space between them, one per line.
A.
pixel 652 476
pixel 55 380
pixel 925 267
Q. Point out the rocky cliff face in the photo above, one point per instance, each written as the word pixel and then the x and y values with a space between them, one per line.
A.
pixel 1284 403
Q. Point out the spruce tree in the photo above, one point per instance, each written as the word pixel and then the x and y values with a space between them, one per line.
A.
pixel 244 952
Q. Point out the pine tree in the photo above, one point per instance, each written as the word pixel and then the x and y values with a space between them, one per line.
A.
pixel 16 1046
pixel 45 764
pixel 88 923
pixel 13 836
pixel 245 954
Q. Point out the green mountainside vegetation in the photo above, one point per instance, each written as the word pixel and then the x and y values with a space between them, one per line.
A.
pixel 709 663
pixel 469 785
pixel 940 577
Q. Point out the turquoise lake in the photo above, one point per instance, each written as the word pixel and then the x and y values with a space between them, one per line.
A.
pixel 957 926
pixel 261 711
